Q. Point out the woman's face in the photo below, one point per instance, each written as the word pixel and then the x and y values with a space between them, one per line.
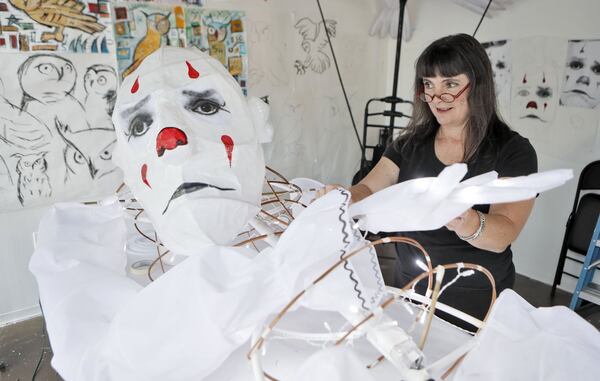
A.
pixel 452 114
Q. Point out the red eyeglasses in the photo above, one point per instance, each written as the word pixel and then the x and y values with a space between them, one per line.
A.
pixel 444 97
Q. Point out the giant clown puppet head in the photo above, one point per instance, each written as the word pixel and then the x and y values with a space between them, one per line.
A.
pixel 188 143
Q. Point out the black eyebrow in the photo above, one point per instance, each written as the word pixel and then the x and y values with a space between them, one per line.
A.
pixel 210 93
pixel 125 113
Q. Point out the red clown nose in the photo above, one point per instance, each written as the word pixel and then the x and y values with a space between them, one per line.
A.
pixel 169 138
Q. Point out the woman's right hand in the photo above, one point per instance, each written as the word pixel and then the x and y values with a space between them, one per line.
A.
pixel 326 189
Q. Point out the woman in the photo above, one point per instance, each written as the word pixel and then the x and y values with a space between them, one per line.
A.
pixel 455 121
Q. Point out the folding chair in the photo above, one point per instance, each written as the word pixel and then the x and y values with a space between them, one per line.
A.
pixel 581 221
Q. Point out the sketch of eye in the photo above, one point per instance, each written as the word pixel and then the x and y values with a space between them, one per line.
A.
pixel 47 69
pixel 101 80
pixel 139 125
pixel 596 68
pixel 575 64
pixel 523 92
pixel 544 92
pixel 211 30
pixel 78 157
pixel 106 155
pixel 68 67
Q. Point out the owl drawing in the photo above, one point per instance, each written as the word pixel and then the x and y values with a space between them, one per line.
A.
pixel 33 182
pixel 157 26
pixel 87 153
pixel 48 82
pixel 100 84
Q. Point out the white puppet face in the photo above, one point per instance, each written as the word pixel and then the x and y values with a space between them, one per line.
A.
pixel 189 145
pixel 535 94
pixel 582 75
pixel 498 53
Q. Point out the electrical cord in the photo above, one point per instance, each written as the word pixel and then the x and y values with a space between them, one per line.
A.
pixel 482 16
pixel 339 76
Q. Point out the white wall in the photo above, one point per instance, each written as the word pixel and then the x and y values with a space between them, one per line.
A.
pixel 18 289
pixel 536 250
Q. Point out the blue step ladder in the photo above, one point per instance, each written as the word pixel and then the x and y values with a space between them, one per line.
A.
pixel 586 289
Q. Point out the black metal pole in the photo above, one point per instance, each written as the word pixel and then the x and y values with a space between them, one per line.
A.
pixel 397 64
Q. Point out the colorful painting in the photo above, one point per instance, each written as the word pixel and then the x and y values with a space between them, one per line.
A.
pixel 142 28
pixel 76 26
pixel 222 34
pixel 56 133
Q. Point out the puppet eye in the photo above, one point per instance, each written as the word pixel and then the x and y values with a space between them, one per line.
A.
pixel 575 65
pixel 206 107
pixel 596 69
pixel 139 125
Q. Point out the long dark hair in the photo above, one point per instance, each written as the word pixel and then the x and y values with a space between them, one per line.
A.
pixel 448 57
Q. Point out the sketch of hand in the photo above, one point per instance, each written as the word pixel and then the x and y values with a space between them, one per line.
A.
pixel 386 21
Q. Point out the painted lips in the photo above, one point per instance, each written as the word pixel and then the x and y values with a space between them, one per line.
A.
pixel 189 188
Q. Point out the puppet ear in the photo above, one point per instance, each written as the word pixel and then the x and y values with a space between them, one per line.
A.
pixel 260 117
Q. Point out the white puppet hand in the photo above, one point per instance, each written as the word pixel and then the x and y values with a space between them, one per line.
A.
pixel 431 202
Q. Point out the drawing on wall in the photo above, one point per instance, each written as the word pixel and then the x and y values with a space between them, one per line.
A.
pixel 142 28
pixel 56 133
pixel 222 34
pixel 77 26
pixel 581 83
pixel 499 54
pixel 315 44
pixel 535 94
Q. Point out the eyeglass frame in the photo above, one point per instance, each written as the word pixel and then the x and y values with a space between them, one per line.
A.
pixel 454 96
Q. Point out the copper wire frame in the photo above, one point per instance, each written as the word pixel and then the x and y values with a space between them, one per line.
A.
pixel 257 345
pixel 266 331
pixel 273 200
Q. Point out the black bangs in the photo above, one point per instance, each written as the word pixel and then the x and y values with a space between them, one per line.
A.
pixel 443 60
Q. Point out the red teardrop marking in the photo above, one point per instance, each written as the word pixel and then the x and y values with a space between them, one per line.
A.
pixel 544 78
pixel 545 105
pixel 144 175
pixel 228 142
pixel 525 78
pixel 169 138
pixel 192 73
pixel 136 86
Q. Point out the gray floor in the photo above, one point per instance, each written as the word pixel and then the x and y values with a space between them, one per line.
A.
pixel 25 353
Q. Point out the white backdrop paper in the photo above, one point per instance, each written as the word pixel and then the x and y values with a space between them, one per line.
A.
pixel 56 136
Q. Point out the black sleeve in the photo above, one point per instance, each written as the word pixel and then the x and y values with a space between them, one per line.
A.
pixel 392 152
pixel 517 158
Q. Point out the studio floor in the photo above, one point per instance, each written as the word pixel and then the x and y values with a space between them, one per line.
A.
pixel 25 352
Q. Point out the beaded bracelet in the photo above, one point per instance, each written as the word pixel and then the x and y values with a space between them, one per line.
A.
pixel 478 231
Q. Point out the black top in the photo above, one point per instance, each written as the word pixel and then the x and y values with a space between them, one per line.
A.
pixel 506 152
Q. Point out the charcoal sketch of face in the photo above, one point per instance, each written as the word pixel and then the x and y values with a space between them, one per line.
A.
pixel 534 94
pixel 499 55
pixel 582 74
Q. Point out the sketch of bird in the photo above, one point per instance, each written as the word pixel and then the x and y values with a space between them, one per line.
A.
pixel 33 182
pixel 157 25
pixel 59 14
pixel 315 44
pixel 217 24
pixel 87 153
pixel 100 83
pixel 21 130
pixel 48 82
